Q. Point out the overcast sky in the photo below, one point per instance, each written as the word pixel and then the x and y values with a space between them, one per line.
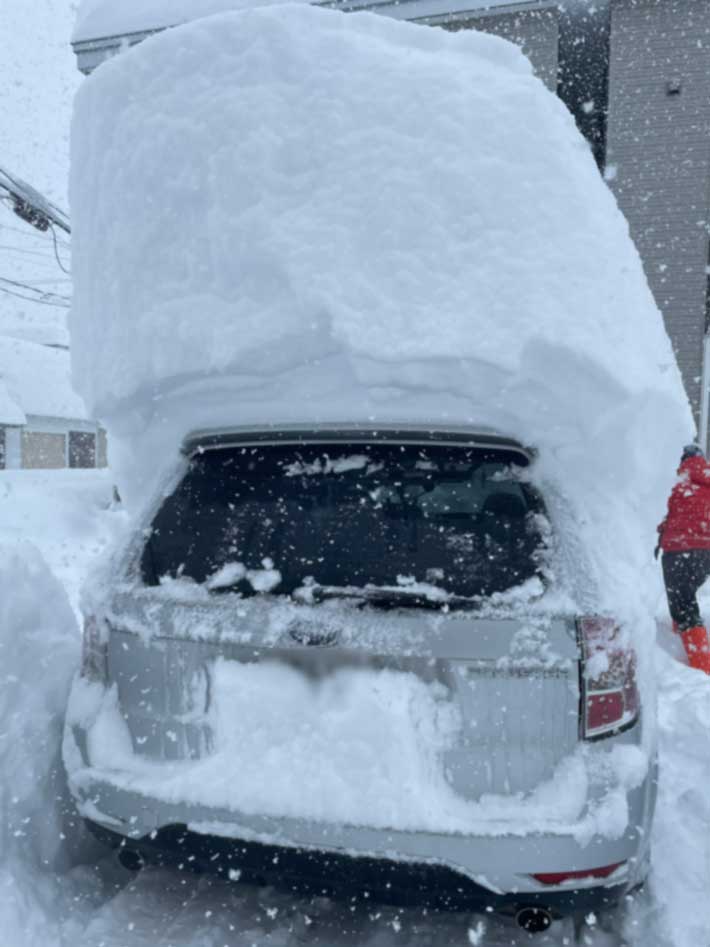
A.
pixel 38 78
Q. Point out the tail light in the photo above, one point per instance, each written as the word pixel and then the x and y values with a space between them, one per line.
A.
pixel 610 699
pixel 94 650
pixel 560 877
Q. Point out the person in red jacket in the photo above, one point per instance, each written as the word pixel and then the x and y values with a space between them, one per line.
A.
pixel 684 537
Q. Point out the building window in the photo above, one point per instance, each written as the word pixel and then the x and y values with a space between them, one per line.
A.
pixel 41 450
pixel 82 449
pixel 3 462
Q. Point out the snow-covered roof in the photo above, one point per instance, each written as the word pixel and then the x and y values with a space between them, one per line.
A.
pixel 102 19
pixel 35 380
pixel 10 411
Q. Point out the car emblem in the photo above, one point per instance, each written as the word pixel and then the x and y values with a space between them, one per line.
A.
pixel 308 634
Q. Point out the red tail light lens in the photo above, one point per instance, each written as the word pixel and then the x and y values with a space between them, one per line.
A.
pixel 94 650
pixel 560 877
pixel 610 700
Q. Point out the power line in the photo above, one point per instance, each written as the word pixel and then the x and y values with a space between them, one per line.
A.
pixel 20 284
pixel 33 289
pixel 31 206
pixel 26 267
pixel 39 302
pixel 46 255
pixel 40 213
pixel 56 251
pixel 31 235
pixel 52 281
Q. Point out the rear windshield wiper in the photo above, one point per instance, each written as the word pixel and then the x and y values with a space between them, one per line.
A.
pixel 386 597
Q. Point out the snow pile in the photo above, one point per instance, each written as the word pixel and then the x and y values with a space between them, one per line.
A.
pixel 66 513
pixel 37 378
pixel 681 845
pixel 10 411
pixel 323 202
pixel 39 648
pixel 289 214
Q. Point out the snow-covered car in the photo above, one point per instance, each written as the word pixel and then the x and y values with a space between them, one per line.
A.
pixel 352 658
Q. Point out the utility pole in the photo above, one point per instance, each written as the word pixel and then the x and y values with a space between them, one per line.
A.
pixel 30 205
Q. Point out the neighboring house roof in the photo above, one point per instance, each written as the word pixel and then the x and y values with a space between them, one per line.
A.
pixel 10 411
pixel 35 380
pixel 103 19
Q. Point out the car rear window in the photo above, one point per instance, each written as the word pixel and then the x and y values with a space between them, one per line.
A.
pixel 456 518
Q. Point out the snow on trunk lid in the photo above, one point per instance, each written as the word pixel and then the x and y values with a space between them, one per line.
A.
pixel 507 691
pixel 376 744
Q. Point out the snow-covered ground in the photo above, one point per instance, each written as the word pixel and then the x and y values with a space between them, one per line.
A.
pixel 681 833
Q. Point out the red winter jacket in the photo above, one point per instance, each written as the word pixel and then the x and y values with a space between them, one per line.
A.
pixel 687 523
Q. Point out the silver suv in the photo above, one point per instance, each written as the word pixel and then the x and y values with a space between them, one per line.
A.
pixel 427 556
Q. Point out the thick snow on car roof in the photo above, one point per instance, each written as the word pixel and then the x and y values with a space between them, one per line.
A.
pixel 290 214
pixel 393 192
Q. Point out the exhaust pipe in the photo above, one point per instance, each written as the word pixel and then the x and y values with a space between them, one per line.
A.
pixel 130 859
pixel 533 920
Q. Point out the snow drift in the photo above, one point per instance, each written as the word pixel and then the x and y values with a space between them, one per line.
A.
pixel 67 513
pixel 290 214
pixel 39 646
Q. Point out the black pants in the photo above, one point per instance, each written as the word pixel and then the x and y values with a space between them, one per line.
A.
pixel 684 573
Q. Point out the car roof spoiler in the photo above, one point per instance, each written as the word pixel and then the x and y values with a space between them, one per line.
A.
pixel 242 436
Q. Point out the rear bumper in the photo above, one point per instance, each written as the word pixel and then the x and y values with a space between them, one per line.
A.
pixel 335 874
pixel 453 872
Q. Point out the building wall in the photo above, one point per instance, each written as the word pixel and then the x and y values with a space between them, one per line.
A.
pixel 49 443
pixel 101 449
pixel 13 447
pixel 535 31
pixel 658 146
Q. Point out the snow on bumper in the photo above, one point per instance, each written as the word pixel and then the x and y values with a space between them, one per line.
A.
pixel 496 860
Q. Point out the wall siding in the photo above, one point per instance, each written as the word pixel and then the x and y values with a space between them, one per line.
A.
pixel 101 448
pixel 13 448
pixel 535 31
pixel 658 145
